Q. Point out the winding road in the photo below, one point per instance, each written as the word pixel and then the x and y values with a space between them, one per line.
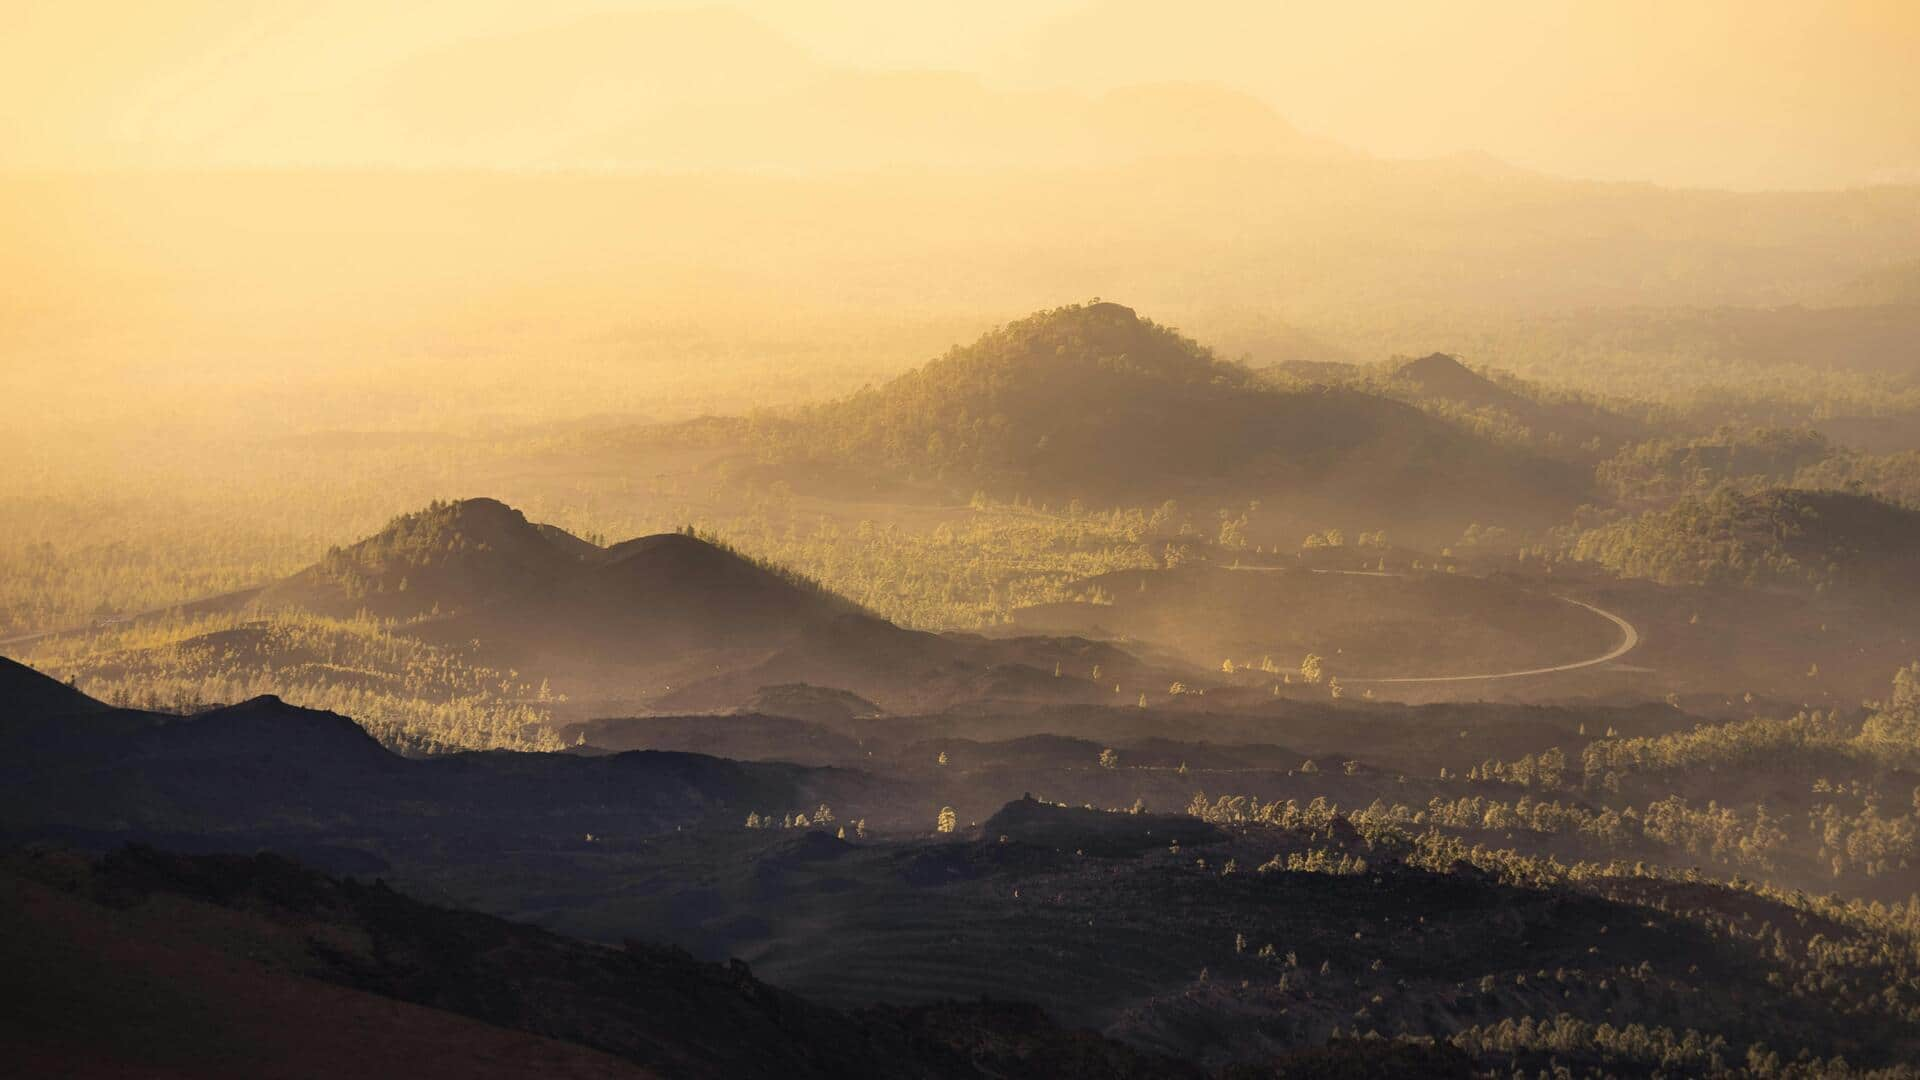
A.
pixel 1629 639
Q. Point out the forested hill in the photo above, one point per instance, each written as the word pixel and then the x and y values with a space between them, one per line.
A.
pixel 1095 401
pixel 1525 413
pixel 1825 540
pixel 448 557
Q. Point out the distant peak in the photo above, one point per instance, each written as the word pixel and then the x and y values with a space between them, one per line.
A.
pixel 484 509
pixel 1443 374
pixel 1433 363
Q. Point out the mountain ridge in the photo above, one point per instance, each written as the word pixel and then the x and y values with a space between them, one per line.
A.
pixel 1095 401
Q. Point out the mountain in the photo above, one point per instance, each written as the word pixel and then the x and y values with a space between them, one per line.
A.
pixel 264 767
pixel 1094 401
pixel 913 671
pixel 451 556
pixel 671 619
pixel 27 694
pixel 652 615
pixel 1827 541
pixel 41 716
pixel 502 622
pixel 1445 376
pixel 668 591
pixel 476 575
pixel 1560 426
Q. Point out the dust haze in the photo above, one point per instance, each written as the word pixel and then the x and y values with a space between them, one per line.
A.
pixel 1055 539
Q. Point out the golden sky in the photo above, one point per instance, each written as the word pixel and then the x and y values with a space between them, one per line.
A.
pixel 1752 94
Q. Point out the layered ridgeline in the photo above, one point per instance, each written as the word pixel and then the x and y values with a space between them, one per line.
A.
pixel 465 625
pixel 1493 404
pixel 476 574
pixel 1095 402
pixel 1453 937
pixel 1856 546
pixel 1512 408
pixel 269 773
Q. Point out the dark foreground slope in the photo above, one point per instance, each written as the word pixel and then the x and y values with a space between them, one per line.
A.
pixel 1377 967
pixel 267 772
pixel 1249 932
pixel 1250 940
pixel 149 963
pixel 26 695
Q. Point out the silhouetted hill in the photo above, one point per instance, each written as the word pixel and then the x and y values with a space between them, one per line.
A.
pixel 911 670
pixel 147 965
pixel 670 620
pixel 745 737
pixel 266 767
pixel 807 702
pixel 1094 401
pixel 1444 376
pixel 655 614
pixel 41 717
pixel 25 693
pixel 1100 834
pixel 476 574
pixel 673 590
pixel 451 556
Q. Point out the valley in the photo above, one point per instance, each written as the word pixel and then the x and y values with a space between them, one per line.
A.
pixel 1066 540
pixel 894 720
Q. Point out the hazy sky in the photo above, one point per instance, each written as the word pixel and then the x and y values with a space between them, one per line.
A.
pixel 1735 93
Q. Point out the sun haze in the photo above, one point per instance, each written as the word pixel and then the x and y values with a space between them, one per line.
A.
pixel 1722 93
pixel 1023 538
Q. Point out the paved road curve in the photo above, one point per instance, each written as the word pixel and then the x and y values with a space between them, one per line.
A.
pixel 1629 638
